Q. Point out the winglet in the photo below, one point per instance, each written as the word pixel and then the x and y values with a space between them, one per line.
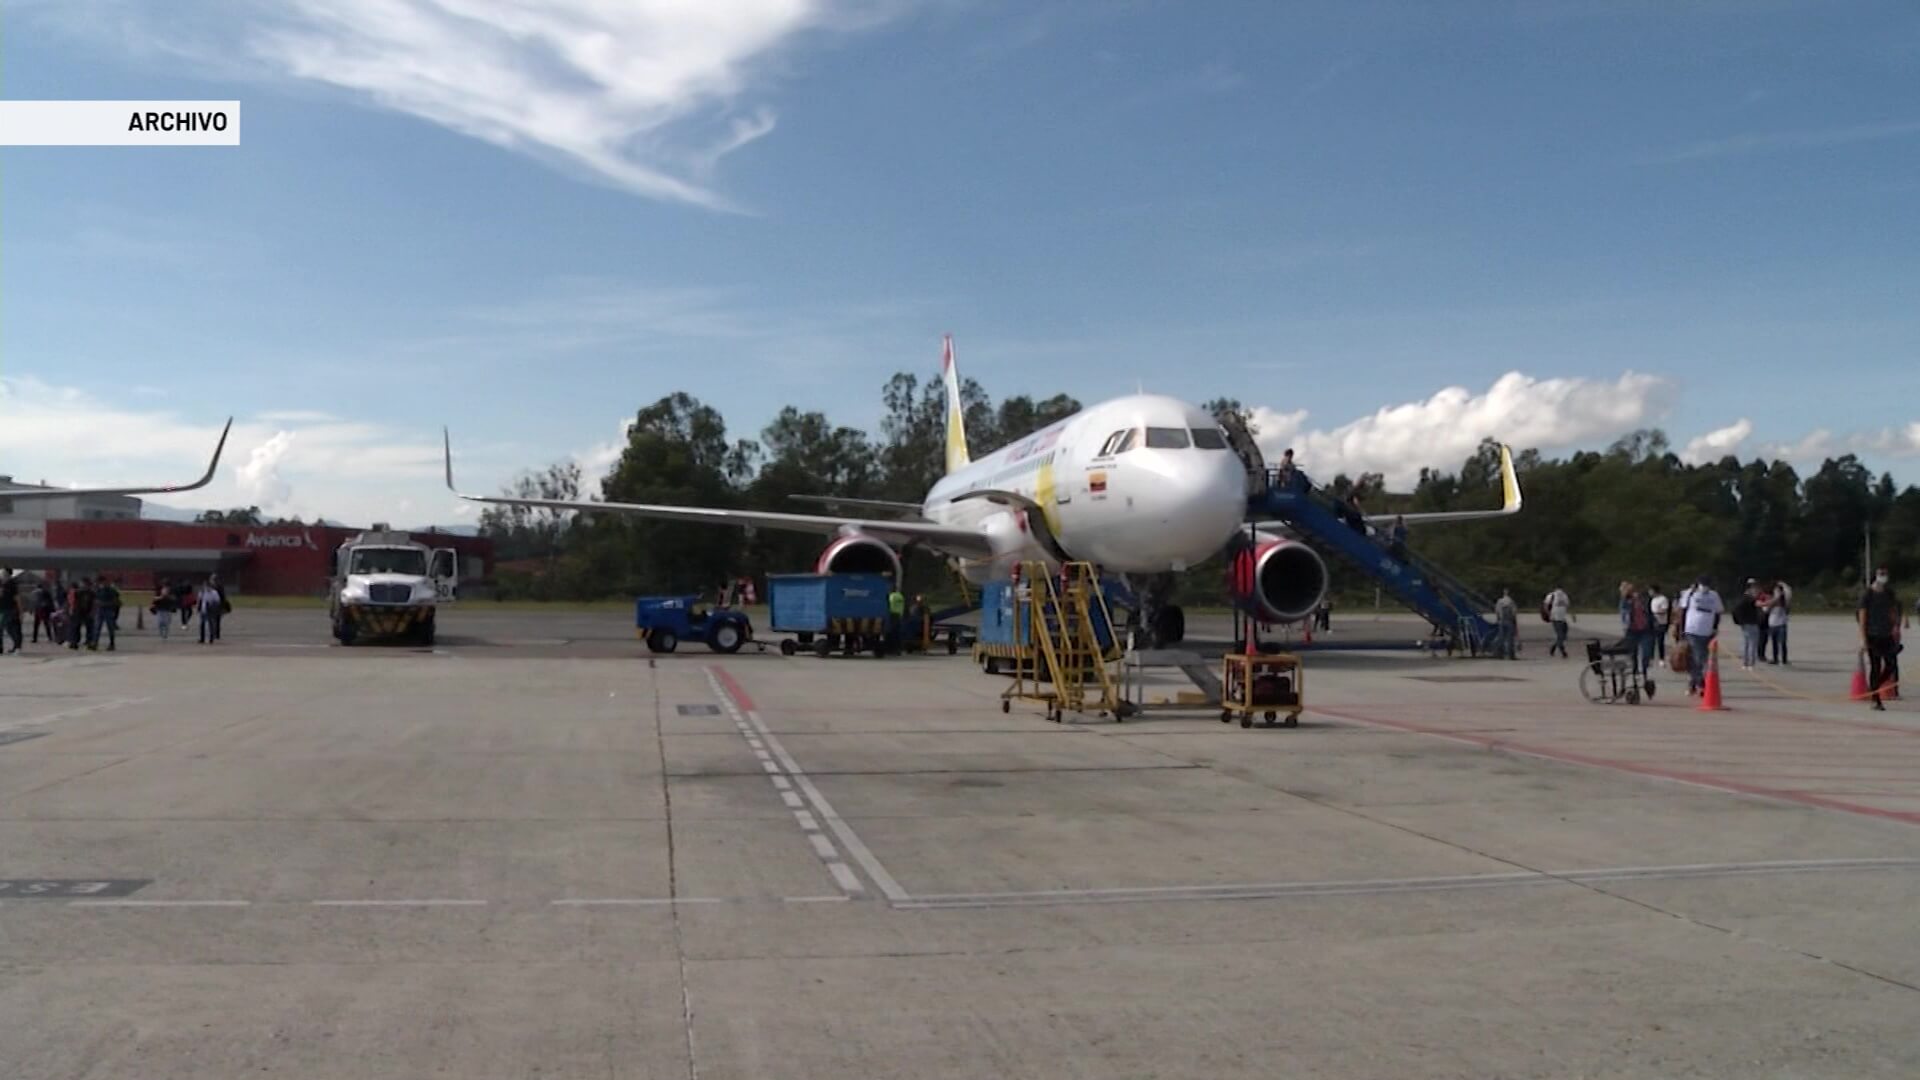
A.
pixel 446 442
pixel 1509 482
pixel 212 466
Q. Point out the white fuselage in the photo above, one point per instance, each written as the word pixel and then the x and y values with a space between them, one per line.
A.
pixel 1161 498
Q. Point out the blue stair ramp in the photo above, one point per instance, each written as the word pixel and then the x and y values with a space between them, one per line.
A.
pixel 1457 612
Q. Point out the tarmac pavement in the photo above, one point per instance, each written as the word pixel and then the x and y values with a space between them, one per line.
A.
pixel 535 850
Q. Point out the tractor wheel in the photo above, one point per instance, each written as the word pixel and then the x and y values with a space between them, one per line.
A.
pixel 726 638
pixel 663 641
pixel 787 647
pixel 822 648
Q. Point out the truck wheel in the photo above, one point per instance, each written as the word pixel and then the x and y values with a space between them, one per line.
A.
pixel 822 648
pixel 787 647
pixel 663 641
pixel 343 632
pixel 426 632
pixel 726 638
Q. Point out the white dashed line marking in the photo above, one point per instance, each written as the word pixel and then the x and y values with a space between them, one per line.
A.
pixel 807 821
pixel 823 846
pixel 399 903
pixel 783 783
pixel 792 800
pixel 637 901
pixel 846 877
pixel 159 903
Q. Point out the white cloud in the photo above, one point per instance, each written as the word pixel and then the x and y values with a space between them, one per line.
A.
pixel 260 479
pixel 1717 443
pixel 598 460
pixel 639 93
pixel 346 471
pixel 1445 429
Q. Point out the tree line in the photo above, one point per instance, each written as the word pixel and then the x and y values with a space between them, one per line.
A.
pixel 1633 511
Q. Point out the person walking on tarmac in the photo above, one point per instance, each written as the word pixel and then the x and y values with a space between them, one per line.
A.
pixel 43 606
pixel 163 606
pixel 1700 611
pixel 80 624
pixel 896 613
pixel 1662 610
pixel 1507 613
pixel 213 607
pixel 9 610
pixel 1559 608
pixel 1880 616
pixel 106 613
pixel 1638 629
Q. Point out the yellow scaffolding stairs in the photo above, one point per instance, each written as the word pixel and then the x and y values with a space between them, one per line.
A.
pixel 1064 666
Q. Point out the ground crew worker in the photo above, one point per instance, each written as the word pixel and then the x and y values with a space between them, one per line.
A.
pixel 80 624
pixel 896 612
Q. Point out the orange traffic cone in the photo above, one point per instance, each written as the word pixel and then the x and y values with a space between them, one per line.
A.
pixel 1710 693
pixel 1859 691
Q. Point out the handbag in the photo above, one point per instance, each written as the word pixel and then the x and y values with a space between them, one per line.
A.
pixel 1680 657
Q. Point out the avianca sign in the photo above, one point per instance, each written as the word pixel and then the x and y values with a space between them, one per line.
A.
pixel 282 540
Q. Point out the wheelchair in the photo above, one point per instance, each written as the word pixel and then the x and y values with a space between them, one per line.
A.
pixel 1609 676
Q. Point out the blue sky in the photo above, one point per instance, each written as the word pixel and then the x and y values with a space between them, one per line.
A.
pixel 528 220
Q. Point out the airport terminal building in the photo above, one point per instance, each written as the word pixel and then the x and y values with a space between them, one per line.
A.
pixel 266 560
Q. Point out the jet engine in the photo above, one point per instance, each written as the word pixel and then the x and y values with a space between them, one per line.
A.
pixel 858 553
pixel 1279 580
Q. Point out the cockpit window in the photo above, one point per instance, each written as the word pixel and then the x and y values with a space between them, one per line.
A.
pixel 1128 442
pixel 1166 438
pixel 1112 445
pixel 1208 438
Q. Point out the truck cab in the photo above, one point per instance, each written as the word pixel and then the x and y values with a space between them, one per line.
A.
pixel 387 585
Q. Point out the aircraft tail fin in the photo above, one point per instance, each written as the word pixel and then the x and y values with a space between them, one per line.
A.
pixel 957 457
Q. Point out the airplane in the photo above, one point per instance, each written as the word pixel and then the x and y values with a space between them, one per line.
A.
pixel 160 489
pixel 1143 486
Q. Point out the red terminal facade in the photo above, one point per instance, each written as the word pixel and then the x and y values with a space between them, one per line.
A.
pixel 265 560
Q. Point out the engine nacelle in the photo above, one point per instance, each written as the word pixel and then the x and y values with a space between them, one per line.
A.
pixel 1279 580
pixel 857 553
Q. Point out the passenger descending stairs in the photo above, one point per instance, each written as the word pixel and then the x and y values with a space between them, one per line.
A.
pixel 1458 613
pixel 1071 669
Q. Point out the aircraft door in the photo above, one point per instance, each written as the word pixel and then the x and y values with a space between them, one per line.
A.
pixel 446 575
pixel 1063 467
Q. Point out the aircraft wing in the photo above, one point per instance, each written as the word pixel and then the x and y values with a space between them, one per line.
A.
pixel 1510 501
pixel 62 493
pixel 877 504
pixel 951 539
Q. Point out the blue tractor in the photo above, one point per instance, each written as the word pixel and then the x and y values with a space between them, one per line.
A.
pixel 663 622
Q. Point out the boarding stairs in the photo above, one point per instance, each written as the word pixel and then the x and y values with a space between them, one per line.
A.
pixel 1071 669
pixel 1459 614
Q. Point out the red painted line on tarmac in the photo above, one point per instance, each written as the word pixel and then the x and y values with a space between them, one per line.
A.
pixel 1634 768
pixel 733 687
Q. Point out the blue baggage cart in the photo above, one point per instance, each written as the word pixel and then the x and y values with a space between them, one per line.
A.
pixel 829 612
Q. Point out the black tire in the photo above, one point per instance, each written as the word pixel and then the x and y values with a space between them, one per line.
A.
pixel 787 647
pixel 426 633
pixel 726 638
pixel 1292 720
pixel 953 644
pixel 343 632
pixel 991 665
pixel 1226 716
pixel 664 641
pixel 1005 705
pixel 1270 716
pixel 1246 720
pixel 822 648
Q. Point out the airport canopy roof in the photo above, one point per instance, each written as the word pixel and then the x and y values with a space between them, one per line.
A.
pixel 209 560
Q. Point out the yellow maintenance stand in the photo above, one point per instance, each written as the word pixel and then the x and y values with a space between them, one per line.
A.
pixel 1060 661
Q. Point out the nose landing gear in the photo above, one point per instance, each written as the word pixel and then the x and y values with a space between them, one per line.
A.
pixel 1157 623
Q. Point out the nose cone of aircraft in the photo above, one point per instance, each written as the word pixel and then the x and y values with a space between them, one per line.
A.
pixel 1200 501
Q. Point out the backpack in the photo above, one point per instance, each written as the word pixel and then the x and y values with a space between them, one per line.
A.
pixel 1745 611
